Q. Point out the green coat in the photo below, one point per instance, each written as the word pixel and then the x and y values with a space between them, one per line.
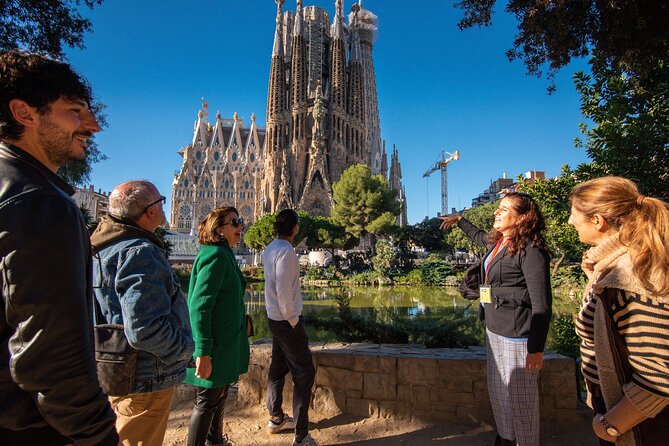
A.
pixel 217 315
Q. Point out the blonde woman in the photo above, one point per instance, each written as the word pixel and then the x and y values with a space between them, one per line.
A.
pixel 624 319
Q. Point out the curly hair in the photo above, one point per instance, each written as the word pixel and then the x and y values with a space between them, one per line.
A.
pixel 529 228
pixel 37 80
pixel 642 223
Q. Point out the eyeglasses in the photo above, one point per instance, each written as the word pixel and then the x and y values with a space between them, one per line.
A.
pixel 163 199
pixel 235 222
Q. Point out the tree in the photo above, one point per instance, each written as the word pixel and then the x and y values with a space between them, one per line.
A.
pixel 363 203
pixel 383 261
pixel 629 35
pixel 630 136
pixel 552 195
pixel 43 26
pixel 428 235
pixel 481 216
pixel 261 232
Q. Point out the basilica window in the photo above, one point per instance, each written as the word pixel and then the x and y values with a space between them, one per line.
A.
pixel 234 156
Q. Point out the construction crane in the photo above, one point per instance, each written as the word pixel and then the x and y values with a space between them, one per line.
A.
pixel 442 165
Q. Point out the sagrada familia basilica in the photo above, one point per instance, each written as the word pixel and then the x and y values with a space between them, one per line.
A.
pixel 322 117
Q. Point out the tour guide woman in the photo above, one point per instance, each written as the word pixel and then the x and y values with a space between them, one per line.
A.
pixel 516 304
pixel 624 319
pixel 218 319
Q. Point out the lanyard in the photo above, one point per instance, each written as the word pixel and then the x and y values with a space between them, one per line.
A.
pixel 500 244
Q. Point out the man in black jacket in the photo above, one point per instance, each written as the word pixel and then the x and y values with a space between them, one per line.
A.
pixel 49 391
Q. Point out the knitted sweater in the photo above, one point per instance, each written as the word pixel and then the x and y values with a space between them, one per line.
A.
pixel 642 319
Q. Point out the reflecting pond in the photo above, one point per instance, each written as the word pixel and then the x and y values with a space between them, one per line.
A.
pixel 383 303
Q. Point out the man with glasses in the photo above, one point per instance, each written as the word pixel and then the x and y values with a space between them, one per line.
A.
pixel 135 286
pixel 290 344
pixel 49 391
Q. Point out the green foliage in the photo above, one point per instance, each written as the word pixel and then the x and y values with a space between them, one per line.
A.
pixel 363 203
pixel 436 271
pixel 320 273
pixel 630 137
pixel 184 277
pixel 427 234
pixel 565 341
pixel 453 329
pixel 413 277
pixel 254 273
pixel 552 195
pixel 261 232
pixel 44 27
pixel 630 34
pixel 168 245
pixel 384 259
pixel 483 217
pixel 90 222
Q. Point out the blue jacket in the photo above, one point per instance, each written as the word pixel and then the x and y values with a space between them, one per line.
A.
pixel 136 287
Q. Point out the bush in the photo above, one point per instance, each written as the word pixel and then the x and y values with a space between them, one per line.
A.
pixel 436 271
pixel 413 277
pixel 565 340
pixel 183 273
pixel 254 273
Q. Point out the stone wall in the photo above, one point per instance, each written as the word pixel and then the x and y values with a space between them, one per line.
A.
pixel 408 383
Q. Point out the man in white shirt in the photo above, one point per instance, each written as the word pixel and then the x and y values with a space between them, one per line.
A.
pixel 290 344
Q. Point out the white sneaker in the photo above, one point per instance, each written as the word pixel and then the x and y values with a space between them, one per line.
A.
pixel 306 441
pixel 286 424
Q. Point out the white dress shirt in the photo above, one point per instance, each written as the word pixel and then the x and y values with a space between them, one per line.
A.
pixel 283 299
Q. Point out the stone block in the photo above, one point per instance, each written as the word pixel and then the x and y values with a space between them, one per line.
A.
pixel 481 397
pixel 417 370
pixel 403 392
pixel 456 399
pixel 365 363
pixel 400 410
pixel 566 402
pixel 353 393
pixel 249 392
pixel 474 416
pixel 329 402
pixel 340 359
pixel 339 378
pixel 430 415
pixel 459 384
pixel 420 397
pixel 379 386
pixel 388 364
pixel 461 367
pixel 362 407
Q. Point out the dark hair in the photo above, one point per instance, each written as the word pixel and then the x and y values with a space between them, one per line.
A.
pixel 285 221
pixel 37 80
pixel 206 231
pixel 530 227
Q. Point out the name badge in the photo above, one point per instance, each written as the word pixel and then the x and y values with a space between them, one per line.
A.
pixel 485 293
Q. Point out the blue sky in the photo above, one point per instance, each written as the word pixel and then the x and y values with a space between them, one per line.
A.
pixel 439 89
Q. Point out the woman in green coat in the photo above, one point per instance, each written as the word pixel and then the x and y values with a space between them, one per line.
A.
pixel 218 320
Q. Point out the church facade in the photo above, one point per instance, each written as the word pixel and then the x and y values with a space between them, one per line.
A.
pixel 322 117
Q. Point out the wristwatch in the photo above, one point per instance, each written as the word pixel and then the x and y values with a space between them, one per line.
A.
pixel 610 429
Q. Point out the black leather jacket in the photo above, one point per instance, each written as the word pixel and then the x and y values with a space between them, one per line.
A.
pixel 49 390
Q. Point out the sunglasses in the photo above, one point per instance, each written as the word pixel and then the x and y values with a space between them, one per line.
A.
pixel 235 222
pixel 163 199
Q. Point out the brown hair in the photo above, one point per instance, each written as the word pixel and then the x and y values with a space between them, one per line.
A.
pixel 531 227
pixel 642 223
pixel 39 81
pixel 207 234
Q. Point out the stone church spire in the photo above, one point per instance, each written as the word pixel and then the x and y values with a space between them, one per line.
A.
pixel 298 85
pixel 277 117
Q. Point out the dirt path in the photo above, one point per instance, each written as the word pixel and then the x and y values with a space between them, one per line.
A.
pixel 246 427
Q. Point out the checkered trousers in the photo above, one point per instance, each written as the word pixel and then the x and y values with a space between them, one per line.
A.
pixel 513 390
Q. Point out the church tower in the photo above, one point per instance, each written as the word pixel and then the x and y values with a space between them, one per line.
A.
pixel 322 107
pixel 395 183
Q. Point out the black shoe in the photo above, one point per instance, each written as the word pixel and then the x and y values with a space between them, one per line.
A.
pixel 499 441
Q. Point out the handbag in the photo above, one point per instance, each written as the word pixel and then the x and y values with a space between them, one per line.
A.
pixel 469 287
pixel 115 358
pixel 249 326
